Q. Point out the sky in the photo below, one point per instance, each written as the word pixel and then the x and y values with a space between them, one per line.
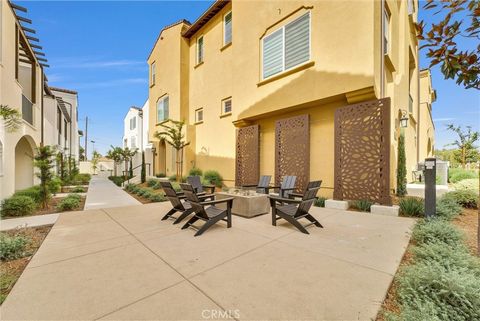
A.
pixel 100 49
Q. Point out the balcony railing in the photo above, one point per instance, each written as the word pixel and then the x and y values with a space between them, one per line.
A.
pixel 410 104
pixel 27 110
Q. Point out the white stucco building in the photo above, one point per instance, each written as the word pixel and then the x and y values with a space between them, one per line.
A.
pixel 135 136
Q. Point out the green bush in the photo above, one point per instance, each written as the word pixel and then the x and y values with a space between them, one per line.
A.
pixel 78 189
pixel 449 294
pixel 135 189
pixel 129 187
pixel 33 192
pixel 147 194
pixel 469 184
pixel 447 208
pixel 118 180
pixel 434 230
pixel 412 206
pixel 157 185
pixel 195 172
pixel 213 177
pixel 320 201
pixel 71 202
pixel 458 174
pixel 18 205
pixel 157 198
pixel 465 198
pixel 363 205
pixel 82 179
pixel 55 185
pixel 12 247
pixel 176 186
pixel 151 182
pixel 160 175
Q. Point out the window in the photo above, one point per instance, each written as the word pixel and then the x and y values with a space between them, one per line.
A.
pixel 162 109
pixel 200 50
pixel 152 73
pixel 386 32
pixel 125 143
pixel 227 28
pixel 133 142
pixel 199 115
pixel 227 106
pixel 59 126
pixel 65 131
pixel 133 123
pixel 287 47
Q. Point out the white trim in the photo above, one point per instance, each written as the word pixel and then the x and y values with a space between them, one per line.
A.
pixel 196 115
pixel 231 36
pixel 197 61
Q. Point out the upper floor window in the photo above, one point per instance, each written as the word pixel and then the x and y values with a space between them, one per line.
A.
pixel 162 109
pixel 386 32
pixel 133 142
pixel 152 73
pixel 287 47
pixel 133 123
pixel 200 49
pixel 227 28
pixel 226 106
pixel 199 115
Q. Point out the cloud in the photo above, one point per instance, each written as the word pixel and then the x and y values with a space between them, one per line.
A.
pixel 441 120
pixel 55 77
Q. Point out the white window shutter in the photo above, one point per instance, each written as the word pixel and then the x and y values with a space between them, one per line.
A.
pixel 273 53
pixel 297 42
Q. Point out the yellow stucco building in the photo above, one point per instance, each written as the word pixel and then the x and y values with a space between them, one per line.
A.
pixel 283 68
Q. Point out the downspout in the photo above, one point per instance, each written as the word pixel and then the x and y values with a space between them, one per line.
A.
pixel 42 79
pixel 382 49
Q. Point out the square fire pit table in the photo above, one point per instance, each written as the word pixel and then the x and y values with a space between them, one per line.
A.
pixel 246 203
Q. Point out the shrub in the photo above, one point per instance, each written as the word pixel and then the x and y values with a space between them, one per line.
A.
pixel 12 247
pixel 157 198
pixel 82 179
pixel 320 201
pixel 195 172
pixel 448 294
pixel 465 198
pixel 129 187
pixel 33 192
pixel 213 177
pixel 447 208
pixel 363 205
pixel 71 202
pixel 160 175
pixel 118 180
pixel 157 185
pixel 78 189
pixel 176 186
pixel 54 186
pixel 458 174
pixel 412 206
pixel 152 182
pixel 434 230
pixel 135 189
pixel 18 205
pixel 470 184
pixel 401 167
pixel 173 178
pixel 147 194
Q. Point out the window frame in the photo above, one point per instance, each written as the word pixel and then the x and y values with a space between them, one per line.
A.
pixel 224 27
pixel 199 121
pixel 162 98
pixel 223 112
pixel 153 73
pixel 197 50
pixel 283 46
pixel 386 31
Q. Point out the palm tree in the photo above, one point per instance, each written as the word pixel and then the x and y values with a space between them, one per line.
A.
pixel 95 159
pixel 464 143
pixel 127 155
pixel 174 136
pixel 115 154
pixel 12 118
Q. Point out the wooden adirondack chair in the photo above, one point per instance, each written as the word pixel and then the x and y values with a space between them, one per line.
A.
pixel 210 214
pixel 286 187
pixel 310 185
pixel 295 209
pixel 196 182
pixel 263 184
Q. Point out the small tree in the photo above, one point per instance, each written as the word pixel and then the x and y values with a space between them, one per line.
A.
pixel 115 154
pixel 401 167
pixel 130 170
pixel 465 143
pixel 174 136
pixel 127 155
pixel 81 153
pixel 12 118
pixel 95 159
pixel 44 162
pixel 143 174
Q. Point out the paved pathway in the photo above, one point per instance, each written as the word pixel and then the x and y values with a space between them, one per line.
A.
pixel 103 193
pixel 28 221
pixel 126 264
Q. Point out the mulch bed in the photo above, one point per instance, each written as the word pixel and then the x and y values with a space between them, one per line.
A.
pixel 52 208
pixel 139 198
pixel 10 271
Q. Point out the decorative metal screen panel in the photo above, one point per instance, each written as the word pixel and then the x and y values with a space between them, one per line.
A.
pixel 247 161
pixel 362 151
pixel 292 150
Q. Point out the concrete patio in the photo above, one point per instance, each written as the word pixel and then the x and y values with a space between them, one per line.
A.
pixel 125 263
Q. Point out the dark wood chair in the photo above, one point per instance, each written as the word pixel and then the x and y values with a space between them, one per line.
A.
pixel 310 185
pixel 210 214
pixel 175 199
pixel 199 188
pixel 294 210
pixel 286 187
pixel 263 185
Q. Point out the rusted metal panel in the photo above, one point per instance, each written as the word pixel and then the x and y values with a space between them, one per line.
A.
pixel 247 162
pixel 362 151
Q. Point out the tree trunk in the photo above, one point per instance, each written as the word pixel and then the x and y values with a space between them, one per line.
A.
pixel 114 168
pixel 463 157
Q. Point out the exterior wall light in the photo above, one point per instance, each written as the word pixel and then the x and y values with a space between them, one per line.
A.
pixel 404 119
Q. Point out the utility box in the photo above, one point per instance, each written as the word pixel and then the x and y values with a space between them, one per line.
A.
pixel 430 172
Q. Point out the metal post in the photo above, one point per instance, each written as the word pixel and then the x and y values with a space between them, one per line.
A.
pixel 430 187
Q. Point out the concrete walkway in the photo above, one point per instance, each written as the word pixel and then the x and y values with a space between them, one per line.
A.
pixel 125 264
pixel 28 221
pixel 103 193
